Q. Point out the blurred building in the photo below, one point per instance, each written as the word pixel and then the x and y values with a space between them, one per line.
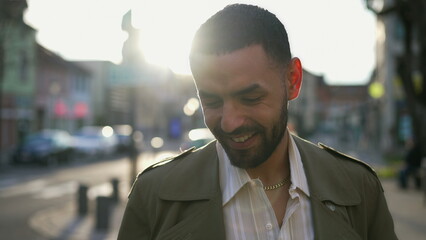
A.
pixel 98 85
pixel 401 69
pixel 38 89
pixel 149 97
pixel 304 113
pixel 340 111
pixel 62 99
pixel 388 47
pixel 17 74
pixel 344 111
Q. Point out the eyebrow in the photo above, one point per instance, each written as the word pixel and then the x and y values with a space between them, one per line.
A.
pixel 243 91
pixel 203 94
pixel 246 90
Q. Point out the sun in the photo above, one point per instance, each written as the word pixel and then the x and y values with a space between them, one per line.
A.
pixel 165 36
pixel 169 51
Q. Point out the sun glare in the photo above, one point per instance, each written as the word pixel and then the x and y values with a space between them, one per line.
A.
pixel 165 37
pixel 167 27
pixel 168 51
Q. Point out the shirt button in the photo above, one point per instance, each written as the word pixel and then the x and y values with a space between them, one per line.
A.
pixel 331 206
pixel 268 226
pixel 252 183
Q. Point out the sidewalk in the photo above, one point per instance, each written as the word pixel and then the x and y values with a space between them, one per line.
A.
pixel 62 222
pixel 408 209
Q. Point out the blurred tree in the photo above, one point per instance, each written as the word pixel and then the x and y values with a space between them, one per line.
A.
pixel 411 64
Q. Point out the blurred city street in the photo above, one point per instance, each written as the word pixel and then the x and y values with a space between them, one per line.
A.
pixel 86 102
pixel 28 192
pixel 39 202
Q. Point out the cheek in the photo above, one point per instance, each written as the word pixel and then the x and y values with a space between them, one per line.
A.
pixel 264 113
pixel 263 118
pixel 211 118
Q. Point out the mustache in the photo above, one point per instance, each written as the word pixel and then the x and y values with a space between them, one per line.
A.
pixel 239 131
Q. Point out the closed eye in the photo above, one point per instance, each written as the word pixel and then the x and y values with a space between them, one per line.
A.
pixel 251 100
pixel 211 102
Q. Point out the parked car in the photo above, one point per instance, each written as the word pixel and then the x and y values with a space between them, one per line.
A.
pixel 124 135
pixel 95 141
pixel 49 146
pixel 197 138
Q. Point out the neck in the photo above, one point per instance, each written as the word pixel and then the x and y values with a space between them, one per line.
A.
pixel 276 167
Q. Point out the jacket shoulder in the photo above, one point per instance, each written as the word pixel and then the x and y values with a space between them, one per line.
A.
pixel 167 160
pixel 339 154
pixel 163 163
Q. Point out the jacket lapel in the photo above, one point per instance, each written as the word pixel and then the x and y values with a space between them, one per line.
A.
pixel 331 190
pixel 205 217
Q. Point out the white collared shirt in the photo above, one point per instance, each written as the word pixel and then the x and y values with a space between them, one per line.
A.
pixel 248 214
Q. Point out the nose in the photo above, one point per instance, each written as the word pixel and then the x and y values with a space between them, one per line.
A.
pixel 232 117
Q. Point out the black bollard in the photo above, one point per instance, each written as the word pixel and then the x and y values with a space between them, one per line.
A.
pixel 115 190
pixel 82 200
pixel 103 205
pixel 423 178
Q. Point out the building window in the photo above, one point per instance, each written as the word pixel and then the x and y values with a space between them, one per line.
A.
pixel 24 67
pixel 83 84
pixel 79 84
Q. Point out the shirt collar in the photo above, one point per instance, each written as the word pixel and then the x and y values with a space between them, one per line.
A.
pixel 298 176
pixel 232 178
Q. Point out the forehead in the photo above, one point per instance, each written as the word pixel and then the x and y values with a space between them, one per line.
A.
pixel 234 70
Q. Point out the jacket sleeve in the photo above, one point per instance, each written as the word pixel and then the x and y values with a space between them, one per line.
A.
pixel 135 224
pixel 380 224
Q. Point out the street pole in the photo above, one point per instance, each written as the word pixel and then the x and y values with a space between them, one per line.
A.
pixel 133 157
pixel 3 33
pixel 2 27
pixel 133 150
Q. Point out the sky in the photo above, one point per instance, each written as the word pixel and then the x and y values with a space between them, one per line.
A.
pixel 333 38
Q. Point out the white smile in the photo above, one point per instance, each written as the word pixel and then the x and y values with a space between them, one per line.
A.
pixel 242 138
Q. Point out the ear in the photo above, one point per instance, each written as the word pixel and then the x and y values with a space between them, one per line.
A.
pixel 294 78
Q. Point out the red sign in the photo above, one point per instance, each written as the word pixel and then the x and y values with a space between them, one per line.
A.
pixel 61 108
pixel 80 110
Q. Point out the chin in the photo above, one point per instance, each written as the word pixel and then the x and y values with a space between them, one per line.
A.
pixel 245 159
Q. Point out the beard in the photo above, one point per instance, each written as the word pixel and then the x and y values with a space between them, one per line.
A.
pixel 255 156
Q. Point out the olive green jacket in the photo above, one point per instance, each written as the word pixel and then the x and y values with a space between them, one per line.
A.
pixel 181 198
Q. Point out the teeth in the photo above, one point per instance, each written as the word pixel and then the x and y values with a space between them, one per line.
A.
pixel 242 139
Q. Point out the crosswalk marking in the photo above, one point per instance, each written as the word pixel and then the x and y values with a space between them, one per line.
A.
pixel 57 190
pixel 21 189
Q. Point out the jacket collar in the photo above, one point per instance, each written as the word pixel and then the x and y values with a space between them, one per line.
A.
pixel 195 173
pixel 322 171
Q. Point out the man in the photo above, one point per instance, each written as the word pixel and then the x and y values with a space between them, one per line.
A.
pixel 257 181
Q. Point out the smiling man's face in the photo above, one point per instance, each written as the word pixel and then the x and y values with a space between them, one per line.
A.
pixel 244 98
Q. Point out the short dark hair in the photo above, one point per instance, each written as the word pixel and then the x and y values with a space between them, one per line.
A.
pixel 238 26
